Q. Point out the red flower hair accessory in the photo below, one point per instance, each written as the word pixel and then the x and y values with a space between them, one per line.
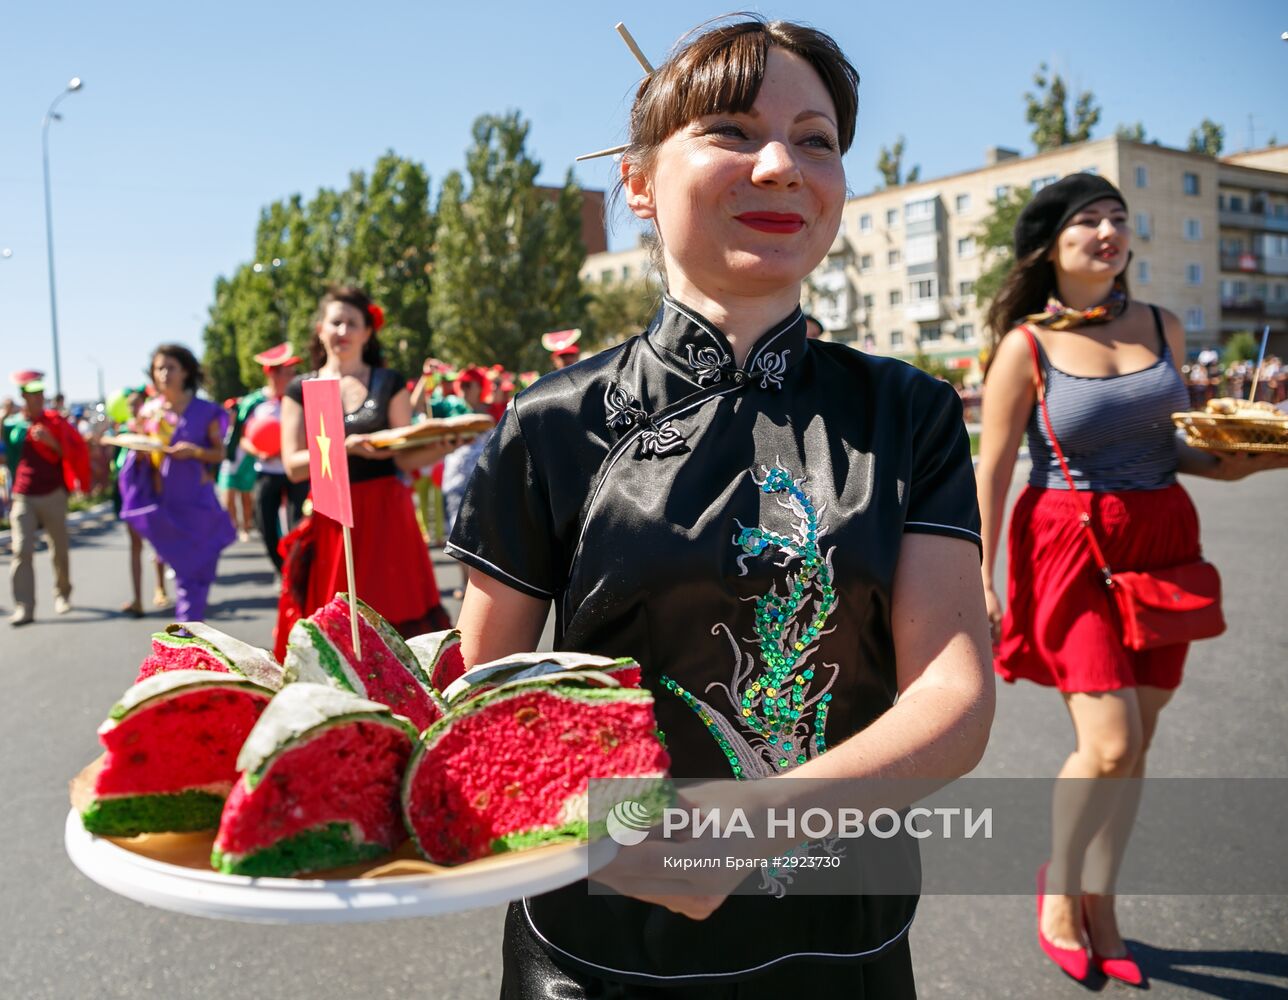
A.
pixel 377 317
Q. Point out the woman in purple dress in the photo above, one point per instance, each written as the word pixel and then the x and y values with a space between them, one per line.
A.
pixel 168 497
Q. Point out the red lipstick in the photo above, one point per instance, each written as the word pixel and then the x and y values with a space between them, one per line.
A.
pixel 772 222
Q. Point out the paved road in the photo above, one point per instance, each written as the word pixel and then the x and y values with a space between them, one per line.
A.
pixel 64 937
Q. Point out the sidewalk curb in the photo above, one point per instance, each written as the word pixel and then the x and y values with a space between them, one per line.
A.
pixel 77 517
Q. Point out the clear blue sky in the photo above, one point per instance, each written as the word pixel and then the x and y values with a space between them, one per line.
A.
pixel 194 116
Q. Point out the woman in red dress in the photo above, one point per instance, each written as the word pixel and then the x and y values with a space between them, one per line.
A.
pixel 392 571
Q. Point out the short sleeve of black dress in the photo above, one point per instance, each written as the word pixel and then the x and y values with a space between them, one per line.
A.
pixel 941 487
pixel 505 527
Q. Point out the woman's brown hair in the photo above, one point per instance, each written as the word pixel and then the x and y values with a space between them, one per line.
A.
pixel 1025 290
pixel 350 295
pixel 193 376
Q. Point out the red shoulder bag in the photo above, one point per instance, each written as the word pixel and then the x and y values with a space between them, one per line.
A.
pixel 1162 607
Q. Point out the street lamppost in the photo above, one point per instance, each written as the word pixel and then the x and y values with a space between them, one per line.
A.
pixel 73 85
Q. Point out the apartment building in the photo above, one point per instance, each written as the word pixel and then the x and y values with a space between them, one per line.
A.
pixel 1211 245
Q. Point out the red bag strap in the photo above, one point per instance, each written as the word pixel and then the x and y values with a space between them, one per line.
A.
pixel 1085 516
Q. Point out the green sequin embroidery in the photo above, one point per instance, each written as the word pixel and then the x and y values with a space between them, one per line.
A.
pixel 771 705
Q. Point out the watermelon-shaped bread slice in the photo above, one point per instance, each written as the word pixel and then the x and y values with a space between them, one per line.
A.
pixel 509 768
pixel 439 655
pixel 172 744
pixel 321 777
pixel 624 672
pixel 197 646
pixel 320 650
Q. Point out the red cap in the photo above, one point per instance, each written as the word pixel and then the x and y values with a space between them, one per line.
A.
pixel 476 374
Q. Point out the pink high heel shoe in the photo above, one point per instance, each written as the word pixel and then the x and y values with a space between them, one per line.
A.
pixel 1123 968
pixel 1073 962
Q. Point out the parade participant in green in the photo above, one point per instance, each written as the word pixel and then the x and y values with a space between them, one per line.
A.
pixel 47 460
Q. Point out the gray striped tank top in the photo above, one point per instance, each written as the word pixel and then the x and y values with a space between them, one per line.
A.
pixel 1116 430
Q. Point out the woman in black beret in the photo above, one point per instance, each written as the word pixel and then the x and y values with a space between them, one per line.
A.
pixel 1109 365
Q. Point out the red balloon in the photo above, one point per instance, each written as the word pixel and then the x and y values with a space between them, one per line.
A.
pixel 265 435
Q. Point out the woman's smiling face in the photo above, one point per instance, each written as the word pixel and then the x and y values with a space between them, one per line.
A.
pixel 1094 243
pixel 749 203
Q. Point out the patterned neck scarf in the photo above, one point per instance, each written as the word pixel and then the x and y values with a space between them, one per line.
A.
pixel 1058 316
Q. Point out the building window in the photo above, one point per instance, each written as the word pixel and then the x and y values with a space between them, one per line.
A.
pixel 963 203
pixel 966 247
pixel 1194 319
pixel 1236 203
pixel 1281 293
pixel 1193 230
pixel 1190 183
pixel 868 302
pixel 922 249
pixel 1094 171
pixel 892 257
pixel 966 333
pixel 1001 192
pixel 1194 274
pixel 1142 272
pixel 922 291
pixel 917 210
pixel 1038 183
pixel 896 296
pixel 626 272
pixel 1142 226
pixel 931 333
pixel 865 263
pixel 865 223
pixel 606 275
pixel 965 289
pixel 896 338
pixel 892 217
pixel 1142 177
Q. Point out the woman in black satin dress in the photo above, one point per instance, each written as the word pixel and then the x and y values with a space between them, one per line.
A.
pixel 659 492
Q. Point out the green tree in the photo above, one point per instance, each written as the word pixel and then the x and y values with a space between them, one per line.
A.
pixel 1208 138
pixel 619 309
pixel 1134 133
pixel 997 237
pixel 506 256
pixel 890 165
pixel 377 232
pixel 1242 346
pixel 1047 111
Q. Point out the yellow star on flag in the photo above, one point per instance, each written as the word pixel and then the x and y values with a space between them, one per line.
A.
pixel 324 446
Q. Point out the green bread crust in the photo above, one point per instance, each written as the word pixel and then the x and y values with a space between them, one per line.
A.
pixel 173 683
pixel 178 641
pixel 171 812
pixel 398 646
pixel 332 660
pixel 322 847
pixel 241 657
pixel 520 840
pixel 302 711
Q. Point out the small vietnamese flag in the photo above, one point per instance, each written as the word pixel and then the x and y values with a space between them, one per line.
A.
pixel 328 462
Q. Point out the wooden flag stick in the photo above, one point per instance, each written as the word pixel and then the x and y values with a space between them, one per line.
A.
pixel 353 592
pixel 635 49
pixel 1261 356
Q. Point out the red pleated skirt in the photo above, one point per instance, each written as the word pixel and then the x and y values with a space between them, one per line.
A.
pixel 391 564
pixel 1061 627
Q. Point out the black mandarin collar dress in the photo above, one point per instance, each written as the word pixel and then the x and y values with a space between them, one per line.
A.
pixel 737 531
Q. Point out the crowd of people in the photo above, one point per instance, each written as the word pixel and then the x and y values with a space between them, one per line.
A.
pixel 216 473
pixel 651 493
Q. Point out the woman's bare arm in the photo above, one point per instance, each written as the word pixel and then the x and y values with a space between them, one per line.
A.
pixel 295 450
pixel 497 620
pixel 1009 395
